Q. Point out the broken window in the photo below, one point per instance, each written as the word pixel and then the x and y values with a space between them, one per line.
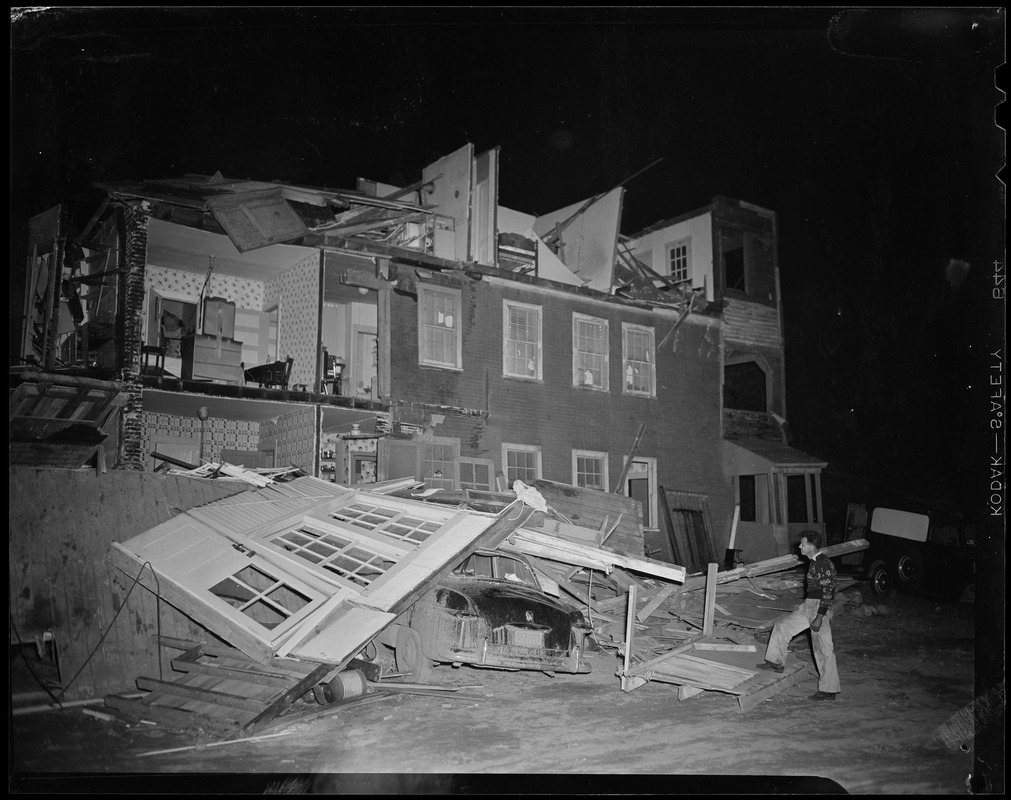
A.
pixel 522 340
pixel 475 473
pixel 260 596
pixel 589 351
pixel 745 386
pixel 637 360
pixel 679 259
pixel 439 343
pixel 522 462
pixel 589 469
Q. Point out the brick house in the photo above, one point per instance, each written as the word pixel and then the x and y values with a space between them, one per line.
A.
pixel 429 331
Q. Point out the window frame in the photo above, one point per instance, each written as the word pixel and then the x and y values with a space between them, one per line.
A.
pixel 476 462
pixel 456 298
pixel 626 329
pixel 686 243
pixel 594 454
pixel 579 370
pixel 508 447
pixel 425 461
pixel 507 305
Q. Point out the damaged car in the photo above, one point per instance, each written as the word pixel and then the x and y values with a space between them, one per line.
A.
pixel 489 612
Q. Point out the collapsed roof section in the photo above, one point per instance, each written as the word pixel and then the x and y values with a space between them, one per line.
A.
pixel 451 217
pixel 307 568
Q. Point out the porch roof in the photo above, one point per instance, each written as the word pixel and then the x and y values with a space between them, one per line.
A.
pixel 774 454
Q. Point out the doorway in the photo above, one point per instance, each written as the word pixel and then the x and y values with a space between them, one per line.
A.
pixel 641 485
pixel 365 361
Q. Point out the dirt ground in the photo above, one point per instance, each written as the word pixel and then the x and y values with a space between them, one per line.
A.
pixel 906 669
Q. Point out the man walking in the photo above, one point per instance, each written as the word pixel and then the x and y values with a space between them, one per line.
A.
pixel 814 613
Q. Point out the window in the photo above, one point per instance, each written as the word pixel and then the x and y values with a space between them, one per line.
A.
pixel 637 360
pixel 348 558
pixel 521 356
pixel 475 473
pixel 438 468
pixel 745 386
pixel 439 343
pixel 679 256
pixel 260 596
pixel 589 351
pixel 589 469
pixel 522 462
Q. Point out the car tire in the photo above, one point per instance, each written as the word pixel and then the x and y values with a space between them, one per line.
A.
pixel 410 655
pixel 881 578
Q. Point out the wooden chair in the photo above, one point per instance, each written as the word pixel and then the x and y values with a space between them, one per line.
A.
pixel 149 352
pixel 333 368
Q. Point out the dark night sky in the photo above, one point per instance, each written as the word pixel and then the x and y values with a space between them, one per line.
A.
pixel 869 132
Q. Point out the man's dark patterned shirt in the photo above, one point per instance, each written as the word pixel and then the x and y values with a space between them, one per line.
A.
pixel 821 582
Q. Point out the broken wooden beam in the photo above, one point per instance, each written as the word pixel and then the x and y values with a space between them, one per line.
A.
pixel 550 547
pixel 710 606
pixel 777 564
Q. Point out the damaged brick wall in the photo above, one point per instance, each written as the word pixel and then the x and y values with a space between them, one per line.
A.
pixel 683 425
pixel 134 258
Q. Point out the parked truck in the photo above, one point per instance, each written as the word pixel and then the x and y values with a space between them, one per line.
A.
pixel 920 553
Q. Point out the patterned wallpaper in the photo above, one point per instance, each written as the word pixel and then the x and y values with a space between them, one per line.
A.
pixel 296 295
pixel 219 434
pixel 244 293
pixel 297 435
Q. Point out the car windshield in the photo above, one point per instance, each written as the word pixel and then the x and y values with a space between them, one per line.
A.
pixel 498 567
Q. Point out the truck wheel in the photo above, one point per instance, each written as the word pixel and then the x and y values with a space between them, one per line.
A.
pixel 411 657
pixel 881 578
pixel 909 570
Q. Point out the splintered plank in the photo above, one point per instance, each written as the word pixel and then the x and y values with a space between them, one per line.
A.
pixel 657 601
pixel 766 687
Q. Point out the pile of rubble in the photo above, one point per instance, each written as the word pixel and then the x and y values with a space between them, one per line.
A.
pixel 311 589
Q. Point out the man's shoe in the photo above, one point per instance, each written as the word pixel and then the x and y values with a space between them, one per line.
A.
pixel 824 696
pixel 770 667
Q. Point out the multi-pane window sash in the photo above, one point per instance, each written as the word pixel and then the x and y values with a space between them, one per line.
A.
pixel 522 341
pixel 679 261
pixel 336 553
pixel 589 348
pixel 260 596
pixel 590 472
pixel 638 361
pixel 521 465
pixel 475 474
pixel 389 521
pixel 439 327
pixel 440 466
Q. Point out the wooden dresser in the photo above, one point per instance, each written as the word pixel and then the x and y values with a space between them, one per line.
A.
pixel 208 358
